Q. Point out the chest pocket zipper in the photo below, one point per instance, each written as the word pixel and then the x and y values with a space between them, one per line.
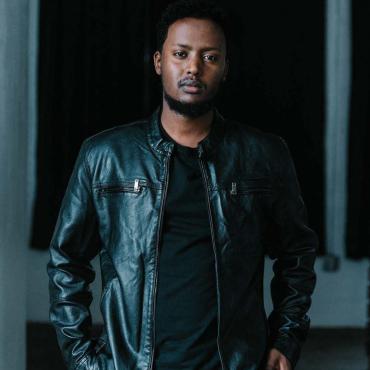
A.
pixel 135 186
pixel 250 186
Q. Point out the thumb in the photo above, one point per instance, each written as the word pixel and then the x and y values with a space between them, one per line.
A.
pixel 272 360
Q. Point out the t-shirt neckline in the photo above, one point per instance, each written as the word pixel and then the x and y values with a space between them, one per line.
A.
pixel 186 150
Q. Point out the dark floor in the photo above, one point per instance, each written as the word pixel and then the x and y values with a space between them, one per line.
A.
pixel 334 349
pixel 325 349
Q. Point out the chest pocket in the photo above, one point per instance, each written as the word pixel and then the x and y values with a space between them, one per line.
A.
pixel 128 203
pixel 135 186
pixel 125 200
pixel 126 212
pixel 244 204
pixel 260 185
pixel 246 201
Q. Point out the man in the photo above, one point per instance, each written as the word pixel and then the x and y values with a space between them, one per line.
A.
pixel 181 208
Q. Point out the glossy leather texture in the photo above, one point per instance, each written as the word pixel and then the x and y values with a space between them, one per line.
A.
pixel 114 206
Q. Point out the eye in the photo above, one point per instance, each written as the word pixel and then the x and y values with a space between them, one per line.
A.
pixel 179 53
pixel 210 57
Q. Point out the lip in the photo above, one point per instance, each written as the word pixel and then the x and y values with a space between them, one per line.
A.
pixel 192 89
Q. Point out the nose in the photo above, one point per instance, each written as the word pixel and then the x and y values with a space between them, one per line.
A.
pixel 194 66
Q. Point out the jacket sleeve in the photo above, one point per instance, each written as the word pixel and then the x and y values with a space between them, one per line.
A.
pixel 294 253
pixel 74 244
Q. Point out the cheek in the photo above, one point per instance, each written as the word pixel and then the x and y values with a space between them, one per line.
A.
pixel 215 80
pixel 218 74
pixel 169 78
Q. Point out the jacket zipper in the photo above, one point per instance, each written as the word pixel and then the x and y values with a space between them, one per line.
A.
pixel 132 187
pixel 216 264
pixel 157 254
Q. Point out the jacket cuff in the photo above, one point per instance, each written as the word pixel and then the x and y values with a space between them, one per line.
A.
pixel 288 347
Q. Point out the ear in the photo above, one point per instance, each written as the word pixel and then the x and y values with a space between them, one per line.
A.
pixel 226 71
pixel 157 62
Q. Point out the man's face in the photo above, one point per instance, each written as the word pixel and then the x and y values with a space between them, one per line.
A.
pixel 192 63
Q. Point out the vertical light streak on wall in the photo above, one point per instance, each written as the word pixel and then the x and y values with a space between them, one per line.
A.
pixel 32 101
pixel 13 185
pixel 337 94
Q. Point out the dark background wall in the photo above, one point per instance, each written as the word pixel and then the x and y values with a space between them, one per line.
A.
pixel 95 72
pixel 358 216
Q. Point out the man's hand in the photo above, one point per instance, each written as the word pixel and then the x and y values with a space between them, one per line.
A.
pixel 277 361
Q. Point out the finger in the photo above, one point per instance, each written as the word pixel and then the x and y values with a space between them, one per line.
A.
pixel 282 366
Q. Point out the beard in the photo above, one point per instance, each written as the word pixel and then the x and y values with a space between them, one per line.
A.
pixel 192 110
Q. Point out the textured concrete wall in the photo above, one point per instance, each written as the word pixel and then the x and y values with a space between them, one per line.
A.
pixel 13 182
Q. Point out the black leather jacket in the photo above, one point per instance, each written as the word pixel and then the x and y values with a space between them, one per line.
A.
pixel 114 206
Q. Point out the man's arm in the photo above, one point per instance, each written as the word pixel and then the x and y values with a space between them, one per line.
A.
pixel 295 252
pixel 73 245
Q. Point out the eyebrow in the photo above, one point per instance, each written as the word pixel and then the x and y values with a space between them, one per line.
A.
pixel 203 49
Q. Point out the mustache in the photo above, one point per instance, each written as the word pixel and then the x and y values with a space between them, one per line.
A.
pixel 191 82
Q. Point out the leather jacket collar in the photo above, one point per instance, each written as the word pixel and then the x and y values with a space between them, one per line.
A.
pixel 206 147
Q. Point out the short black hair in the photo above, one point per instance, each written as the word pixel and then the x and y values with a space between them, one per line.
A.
pixel 201 9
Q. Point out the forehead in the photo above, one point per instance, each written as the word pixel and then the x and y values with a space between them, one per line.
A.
pixel 195 33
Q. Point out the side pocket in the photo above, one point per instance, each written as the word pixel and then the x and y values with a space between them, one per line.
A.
pixel 107 288
pixel 96 358
pixel 103 359
pixel 100 344
pixel 82 363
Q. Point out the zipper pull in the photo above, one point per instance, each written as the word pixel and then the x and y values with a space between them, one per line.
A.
pixel 233 190
pixel 137 186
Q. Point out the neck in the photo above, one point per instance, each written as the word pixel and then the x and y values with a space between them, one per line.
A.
pixel 185 130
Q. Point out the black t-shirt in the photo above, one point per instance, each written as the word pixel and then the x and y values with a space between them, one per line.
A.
pixel 186 309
